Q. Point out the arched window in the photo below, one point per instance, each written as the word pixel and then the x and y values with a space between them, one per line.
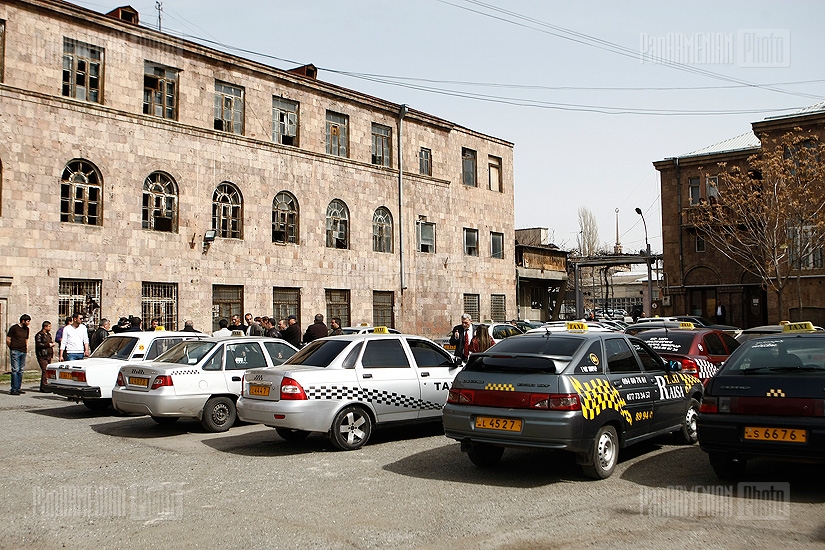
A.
pixel 81 193
pixel 337 225
pixel 382 230
pixel 227 211
pixel 160 203
pixel 284 218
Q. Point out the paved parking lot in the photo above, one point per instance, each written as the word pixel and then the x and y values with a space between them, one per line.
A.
pixel 77 479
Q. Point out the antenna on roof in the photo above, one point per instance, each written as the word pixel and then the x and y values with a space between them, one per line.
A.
pixel 159 7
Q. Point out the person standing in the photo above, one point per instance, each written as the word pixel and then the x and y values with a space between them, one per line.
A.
pixel 17 340
pixel 189 326
pixel 44 351
pixel 222 330
pixel 75 343
pixel 235 324
pixel 316 330
pixel 100 334
pixel 482 340
pixel 721 313
pixel 59 335
pixel 270 329
pixel 335 327
pixel 253 327
pixel 462 336
pixel 292 333
pixel 134 325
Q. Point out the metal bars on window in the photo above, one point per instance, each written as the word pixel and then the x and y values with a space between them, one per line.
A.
pixel 79 296
pixel 471 306
pixel 227 300
pixel 338 305
pixel 160 300
pixel 498 307
pixel 382 309
pixel 286 302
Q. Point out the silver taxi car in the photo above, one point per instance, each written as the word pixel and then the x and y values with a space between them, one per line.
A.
pixel 343 385
pixel 589 393
pixel 196 379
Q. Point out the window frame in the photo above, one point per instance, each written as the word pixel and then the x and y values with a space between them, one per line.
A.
pixel 472 305
pixel 494 236
pixel 337 223
pixel 419 234
pixel 337 127
pixel 169 79
pixel 338 304
pixel 77 60
pixel 383 308
pixel 694 190
pixel 159 300
pixel 285 220
pixel 169 192
pixel 494 165
pixel 469 167
pixel 470 248
pixel 381 145
pixel 382 230
pixel 223 221
pixel 285 117
pixel 2 50
pixel 69 188
pixel 225 91
pixel 701 244
pixel 425 161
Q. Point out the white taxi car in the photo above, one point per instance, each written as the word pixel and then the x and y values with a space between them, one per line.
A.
pixel 343 385
pixel 198 379
pixel 91 380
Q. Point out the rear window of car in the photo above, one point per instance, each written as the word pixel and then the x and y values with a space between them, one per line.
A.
pixel 510 364
pixel 672 342
pixel 116 347
pixel 552 344
pixel 185 353
pixel 319 353
pixel 778 354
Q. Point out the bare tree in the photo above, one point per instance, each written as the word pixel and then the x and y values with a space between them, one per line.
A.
pixel 588 239
pixel 770 217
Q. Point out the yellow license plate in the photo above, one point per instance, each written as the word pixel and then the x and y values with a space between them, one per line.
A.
pixel 137 381
pixel 65 376
pixel 505 424
pixel 785 435
pixel 259 390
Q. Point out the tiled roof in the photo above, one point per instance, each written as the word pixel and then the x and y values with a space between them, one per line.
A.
pixel 745 141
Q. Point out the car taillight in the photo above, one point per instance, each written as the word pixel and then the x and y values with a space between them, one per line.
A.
pixel 461 396
pixel 709 405
pixel 162 380
pixel 120 380
pixel 51 373
pixel 564 402
pixel 243 381
pixel 689 366
pixel 78 376
pixel 290 389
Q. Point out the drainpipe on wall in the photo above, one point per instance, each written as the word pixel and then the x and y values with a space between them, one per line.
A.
pixel 401 112
pixel 681 222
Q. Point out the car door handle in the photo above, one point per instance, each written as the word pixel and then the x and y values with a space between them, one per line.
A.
pixel 423 374
pixel 366 375
pixel 236 378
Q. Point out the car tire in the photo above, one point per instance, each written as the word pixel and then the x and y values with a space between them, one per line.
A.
pixel 219 414
pixel 604 454
pixel 97 404
pixel 726 466
pixel 687 434
pixel 165 420
pixel 351 428
pixel 292 435
pixel 485 455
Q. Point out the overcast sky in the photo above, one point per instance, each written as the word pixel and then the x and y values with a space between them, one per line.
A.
pixel 564 81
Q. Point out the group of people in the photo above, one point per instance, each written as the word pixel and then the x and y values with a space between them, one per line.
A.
pixel 468 338
pixel 287 329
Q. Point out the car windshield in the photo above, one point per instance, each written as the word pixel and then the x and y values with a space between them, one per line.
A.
pixel 778 354
pixel 553 344
pixel 319 353
pixel 116 347
pixel 350 330
pixel 187 353
pixel 672 342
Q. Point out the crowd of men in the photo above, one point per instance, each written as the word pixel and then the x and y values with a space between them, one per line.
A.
pixel 287 329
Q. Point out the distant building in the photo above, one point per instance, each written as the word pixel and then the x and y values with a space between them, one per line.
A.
pixel 541 272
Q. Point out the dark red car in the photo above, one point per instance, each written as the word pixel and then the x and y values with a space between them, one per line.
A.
pixel 700 352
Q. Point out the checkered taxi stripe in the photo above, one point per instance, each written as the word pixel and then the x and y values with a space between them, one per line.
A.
pixel 598 395
pixel 380 397
pixel 706 368
pixel 185 371
pixel 775 393
pixel 500 387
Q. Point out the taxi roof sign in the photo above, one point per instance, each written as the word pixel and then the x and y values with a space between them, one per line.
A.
pixel 380 330
pixel 687 325
pixel 805 326
pixel 238 333
pixel 576 326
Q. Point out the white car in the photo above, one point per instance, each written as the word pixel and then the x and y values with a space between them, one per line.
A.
pixel 199 379
pixel 343 385
pixel 91 380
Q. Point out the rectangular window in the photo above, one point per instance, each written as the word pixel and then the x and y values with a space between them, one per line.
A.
pixel 286 302
pixel 338 305
pixel 229 109
pixel 472 306
pixel 160 300
pixel 497 245
pixel 227 300
pixel 79 296
pixel 425 162
pixel 284 121
pixel 470 242
pixel 160 91
pixel 382 309
pixel 337 134
pixel 498 307
pixel 468 167
pixel 495 174
pixel 803 252
pixel 700 243
pixel 381 145
pixel 425 236
pixel 537 295
pixel 2 49
pixel 693 185
pixel 712 189
pixel 82 71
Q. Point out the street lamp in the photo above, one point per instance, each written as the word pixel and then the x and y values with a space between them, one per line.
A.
pixel 649 274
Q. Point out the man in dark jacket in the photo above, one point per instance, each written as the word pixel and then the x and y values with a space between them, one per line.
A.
pixel 292 333
pixel 100 334
pixel 316 330
pixel 461 337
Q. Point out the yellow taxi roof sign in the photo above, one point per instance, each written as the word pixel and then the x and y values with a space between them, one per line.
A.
pixel 238 333
pixel 576 326
pixel 805 326
pixel 687 325
pixel 380 330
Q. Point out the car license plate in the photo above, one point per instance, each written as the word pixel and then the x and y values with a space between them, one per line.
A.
pixel 505 424
pixel 65 376
pixel 137 381
pixel 259 390
pixel 786 435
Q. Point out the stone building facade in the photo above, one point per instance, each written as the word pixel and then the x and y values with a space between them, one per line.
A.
pixel 697 277
pixel 148 175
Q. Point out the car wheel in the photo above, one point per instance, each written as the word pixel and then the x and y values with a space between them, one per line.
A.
pixel 97 404
pixel 687 434
pixel 292 435
pixel 351 428
pixel 163 420
pixel 218 414
pixel 603 455
pixel 726 466
pixel 485 455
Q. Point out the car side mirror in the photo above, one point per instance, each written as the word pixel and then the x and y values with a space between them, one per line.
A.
pixel 457 362
pixel 674 366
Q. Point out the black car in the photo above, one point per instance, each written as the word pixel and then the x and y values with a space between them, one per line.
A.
pixel 767 401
